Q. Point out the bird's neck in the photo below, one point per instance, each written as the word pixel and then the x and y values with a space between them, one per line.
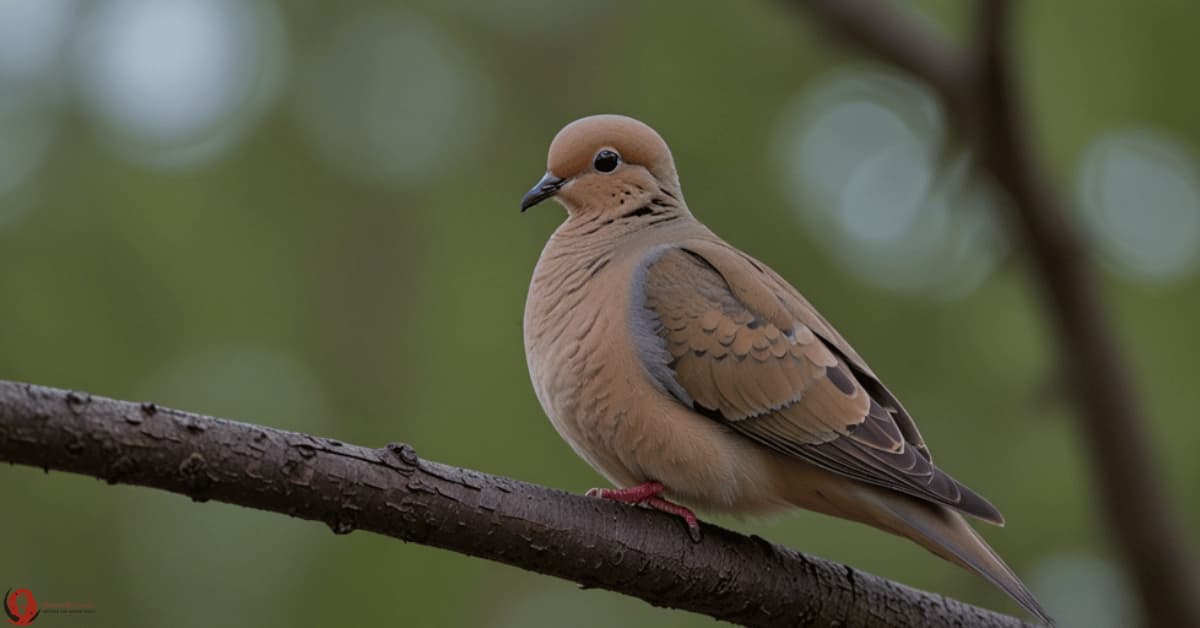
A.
pixel 610 220
pixel 593 238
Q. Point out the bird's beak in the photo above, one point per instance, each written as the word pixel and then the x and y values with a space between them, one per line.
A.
pixel 544 189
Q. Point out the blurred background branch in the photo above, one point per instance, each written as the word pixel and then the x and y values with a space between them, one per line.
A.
pixel 979 86
pixel 390 491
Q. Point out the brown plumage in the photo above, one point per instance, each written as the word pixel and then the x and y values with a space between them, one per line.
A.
pixel 674 363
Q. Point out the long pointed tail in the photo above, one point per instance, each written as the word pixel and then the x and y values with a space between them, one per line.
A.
pixel 947 534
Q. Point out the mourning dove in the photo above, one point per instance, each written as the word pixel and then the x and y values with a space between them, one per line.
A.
pixel 693 376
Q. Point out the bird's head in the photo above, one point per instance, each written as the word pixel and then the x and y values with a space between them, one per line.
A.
pixel 605 162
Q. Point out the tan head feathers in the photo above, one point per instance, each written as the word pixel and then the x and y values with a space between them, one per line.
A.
pixel 603 145
pixel 577 144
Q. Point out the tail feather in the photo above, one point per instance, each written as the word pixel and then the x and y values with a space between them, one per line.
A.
pixel 947 534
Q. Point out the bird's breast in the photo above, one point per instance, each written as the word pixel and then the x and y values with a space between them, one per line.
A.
pixel 574 346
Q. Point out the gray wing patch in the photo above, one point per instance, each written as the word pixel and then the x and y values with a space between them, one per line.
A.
pixel 645 329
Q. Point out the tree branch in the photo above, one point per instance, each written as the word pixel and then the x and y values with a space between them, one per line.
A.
pixel 898 39
pixel 1111 418
pixel 392 492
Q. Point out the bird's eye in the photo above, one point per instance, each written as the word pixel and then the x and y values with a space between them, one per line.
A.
pixel 606 161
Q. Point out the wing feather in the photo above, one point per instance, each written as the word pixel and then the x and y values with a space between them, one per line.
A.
pixel 742 347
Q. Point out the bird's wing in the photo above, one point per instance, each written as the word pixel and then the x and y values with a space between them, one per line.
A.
pixel 731 340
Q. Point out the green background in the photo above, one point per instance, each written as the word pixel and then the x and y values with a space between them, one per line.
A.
pixel 346 258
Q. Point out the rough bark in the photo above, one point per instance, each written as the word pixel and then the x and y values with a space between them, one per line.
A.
pixel 393 492
pixel 979 91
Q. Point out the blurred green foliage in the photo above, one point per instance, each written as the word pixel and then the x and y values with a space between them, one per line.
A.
pixel 298 283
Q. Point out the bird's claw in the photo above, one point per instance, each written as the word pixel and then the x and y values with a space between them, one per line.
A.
pixel 648 495
pixel 682 512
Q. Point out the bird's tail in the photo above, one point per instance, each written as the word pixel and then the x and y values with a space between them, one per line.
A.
pixel 947 534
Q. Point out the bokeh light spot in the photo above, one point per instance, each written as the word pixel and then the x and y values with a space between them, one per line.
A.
pixel 890 178
pixel 1140 201
pixel 176 82
pixel 862 164
pixel 390 97
pixel 32 33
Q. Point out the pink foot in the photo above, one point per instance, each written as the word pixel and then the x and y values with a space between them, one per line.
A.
pixel 632 495
pixel 648 495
